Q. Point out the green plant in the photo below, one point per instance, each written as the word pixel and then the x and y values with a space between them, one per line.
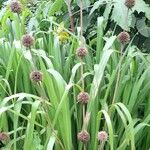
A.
pixel 64 83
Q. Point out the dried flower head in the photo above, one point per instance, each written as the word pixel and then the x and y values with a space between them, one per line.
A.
pixel 36 76
pixel 129 3
pixel 27 40
pixel 4 136
pixel 123 37
pixel 81 52
pixel 102 136
pixel 83 97
pixel 15 6
pixel 83 136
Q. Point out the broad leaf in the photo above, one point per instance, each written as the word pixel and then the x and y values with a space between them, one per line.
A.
pixel 142 28
pixel 120 11
pixel 141 6
pixel 119 14
pixel 97 5
pixel 85 3
pixel 56 6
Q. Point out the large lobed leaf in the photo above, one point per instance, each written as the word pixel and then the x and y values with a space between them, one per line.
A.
pixel 120 11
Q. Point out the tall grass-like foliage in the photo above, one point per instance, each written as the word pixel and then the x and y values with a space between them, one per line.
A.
pixel 45 111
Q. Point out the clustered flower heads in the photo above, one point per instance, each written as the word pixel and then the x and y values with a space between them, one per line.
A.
pixel 83 136
pixel 123 37
pixel 27 40
pixel 83 97
pixel 129 3
pixel 16 7
pixel 81 52
pixel 36 76
pixel 4 136
pixel 102 136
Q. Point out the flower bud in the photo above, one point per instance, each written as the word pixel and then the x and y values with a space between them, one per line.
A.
pixel 83 136
pixel 83 97
pixel 129 3
pixel 102 136
pixel 81 52
pixel 15 6
pixel 123 37
pixel 4 136
pixel 36 76
pixel 27 40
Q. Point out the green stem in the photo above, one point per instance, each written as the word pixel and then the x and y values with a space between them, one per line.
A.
pixel 127 17
pixel 81 17
pixel 82 77
pixel 71 17
pixel 118 76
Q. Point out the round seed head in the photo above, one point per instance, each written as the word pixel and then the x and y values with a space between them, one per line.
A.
pixel 123 37
pixel 129 3
pixel 36 76
pixel 4 136
pixel 102 136
pixel 83 136
pixel 27 40
pixel 81 52
pixel 16 7
pixel 83 97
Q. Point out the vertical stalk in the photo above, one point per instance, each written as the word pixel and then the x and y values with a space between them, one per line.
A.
pixel 118 75
pixel 83 107
pixel 119 67
pixel 127 17
pixel 70 16
pixel 101 146
pixel 81 17
pixel 32 58
pixel 82 69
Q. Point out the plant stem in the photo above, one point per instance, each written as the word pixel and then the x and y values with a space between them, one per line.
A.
pixel 71 16
pixel 32 58
pixel 101 146
pixel 127 17
pixel 118 76
pixel 83 121
pixel 81 17
pixel 119 69
pixel 84 146
pixel 82 78
pixel 82 69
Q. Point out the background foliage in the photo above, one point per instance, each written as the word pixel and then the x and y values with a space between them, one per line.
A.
pixel 48 115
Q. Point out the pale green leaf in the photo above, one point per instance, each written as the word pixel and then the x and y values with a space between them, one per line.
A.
pixel 141 6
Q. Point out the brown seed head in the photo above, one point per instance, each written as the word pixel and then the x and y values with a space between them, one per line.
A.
pixel 27 40
pixel 36 76
pixel 83 136
pixel 129 3
pixel 15 6
pixel 123 37
pixel 4 136
pixel 83 97
pixel 81 52
pixel 102 136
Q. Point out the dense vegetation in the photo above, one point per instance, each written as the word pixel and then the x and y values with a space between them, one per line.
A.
pixel 74 75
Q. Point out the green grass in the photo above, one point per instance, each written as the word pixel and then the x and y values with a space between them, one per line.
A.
pixel 47 115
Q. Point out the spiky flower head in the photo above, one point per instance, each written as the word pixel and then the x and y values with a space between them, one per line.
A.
pixel 83 136
pixel 123 37
pixel 36 76
pixel 83 97
pixel 4 136
pixel 129 3
pixel 27 40
pixel 81 52
pixel 102 136
pixel 16 6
